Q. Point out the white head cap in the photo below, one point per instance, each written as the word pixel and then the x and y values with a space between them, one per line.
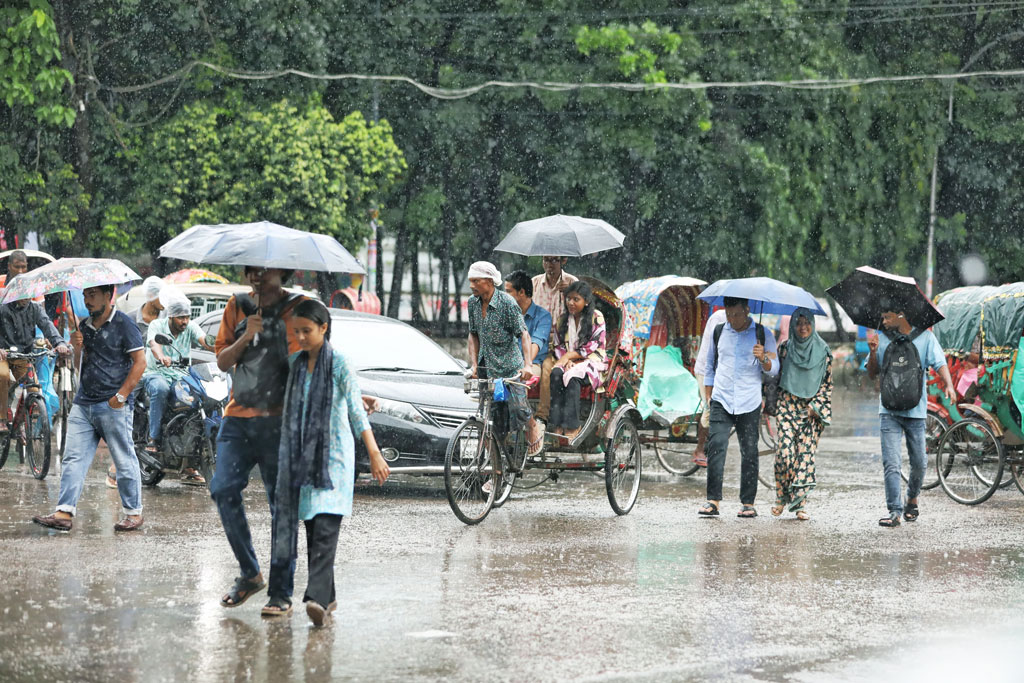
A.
pixel 485 269
pixel 151 286
pixel 175 302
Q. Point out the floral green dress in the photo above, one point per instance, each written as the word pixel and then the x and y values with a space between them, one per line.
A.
pixel 798 436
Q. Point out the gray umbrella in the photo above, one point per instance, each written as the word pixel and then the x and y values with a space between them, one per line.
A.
pixel 263 244
pixel 560 235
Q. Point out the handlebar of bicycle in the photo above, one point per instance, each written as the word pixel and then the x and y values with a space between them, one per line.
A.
pixel 17 355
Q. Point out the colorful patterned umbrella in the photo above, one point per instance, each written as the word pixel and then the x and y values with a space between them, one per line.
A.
pixel 187 276
pixel 68 273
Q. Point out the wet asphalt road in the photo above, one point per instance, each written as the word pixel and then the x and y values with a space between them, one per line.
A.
pixel 553 586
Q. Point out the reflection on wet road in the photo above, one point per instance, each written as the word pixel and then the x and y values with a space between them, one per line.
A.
pixel 553 586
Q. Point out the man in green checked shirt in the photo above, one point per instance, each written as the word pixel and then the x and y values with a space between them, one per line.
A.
pixel 499 342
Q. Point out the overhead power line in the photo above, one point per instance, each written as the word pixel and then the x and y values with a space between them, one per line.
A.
pixel 555 86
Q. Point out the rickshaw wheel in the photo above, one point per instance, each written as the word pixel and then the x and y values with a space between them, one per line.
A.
pixel 934 428
pixel 674 456
pixel 1017 470
pixel 470 464
pixel 970 461
pixel 623 465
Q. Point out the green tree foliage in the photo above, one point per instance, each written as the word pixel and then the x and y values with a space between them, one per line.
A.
pixel 214 163
pixel 38 190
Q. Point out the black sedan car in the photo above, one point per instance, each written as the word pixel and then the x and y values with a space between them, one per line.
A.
pixel 419 384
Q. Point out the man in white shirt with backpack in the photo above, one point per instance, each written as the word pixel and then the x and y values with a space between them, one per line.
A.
pixel 902 356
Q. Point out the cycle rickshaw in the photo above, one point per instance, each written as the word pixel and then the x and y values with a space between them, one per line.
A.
pixel 665 312
pixel 982 332
pixel 485 458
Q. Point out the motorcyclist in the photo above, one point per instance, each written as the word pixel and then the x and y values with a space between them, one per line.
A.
pixel 161 371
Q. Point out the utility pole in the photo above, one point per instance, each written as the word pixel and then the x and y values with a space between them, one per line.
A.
pixel 376 239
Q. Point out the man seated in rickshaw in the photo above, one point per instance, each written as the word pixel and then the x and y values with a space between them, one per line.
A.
pixel 538 321
pixel 18 323
pixel 549 294
pixel 499 343
pixel 580 358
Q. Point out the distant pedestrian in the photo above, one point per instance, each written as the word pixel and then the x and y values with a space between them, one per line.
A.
pixel 112 361
pixel 901 352
pixel 741 350
pixel 152 308
pixel 316 466
pixel 804 410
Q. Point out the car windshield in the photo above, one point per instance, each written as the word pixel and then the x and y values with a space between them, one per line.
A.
pixel 371 344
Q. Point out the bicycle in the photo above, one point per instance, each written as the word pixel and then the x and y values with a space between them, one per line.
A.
pixel 31 421
pixel 65 384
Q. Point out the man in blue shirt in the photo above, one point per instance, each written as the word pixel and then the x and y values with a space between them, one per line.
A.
pixel 910 424
pixel 519 286
pixel 732 387
pixel 109 346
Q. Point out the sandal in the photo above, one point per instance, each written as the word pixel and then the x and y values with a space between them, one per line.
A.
pixel 747 511
pixel 802 515
pixel 192 478
pixel 243 590
pixel 151 447
pixel 317 613
pixel 535 447
pixel 911 512
pixel 708 509
pixel 277 607
pixel 778 508
pixel 893 520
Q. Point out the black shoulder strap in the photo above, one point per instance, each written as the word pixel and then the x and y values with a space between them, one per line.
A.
pixel 246 304
pixel 915 333
pixel 717 335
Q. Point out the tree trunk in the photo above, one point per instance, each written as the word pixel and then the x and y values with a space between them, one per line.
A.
pixel 841 335
pixel 379 284
pixel 397 273
pixel 414 271
pixel 457 299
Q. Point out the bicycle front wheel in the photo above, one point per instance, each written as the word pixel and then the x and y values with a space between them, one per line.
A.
pixel 471 472
pixel 37 436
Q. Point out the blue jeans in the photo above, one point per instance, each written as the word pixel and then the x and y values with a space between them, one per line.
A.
pixel 893 427
pixel 243 443
pixel 87 424
pixel 157 389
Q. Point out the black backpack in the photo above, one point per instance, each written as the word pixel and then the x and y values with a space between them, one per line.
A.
pixel 769 383
pixel 261 374
pixel 902 380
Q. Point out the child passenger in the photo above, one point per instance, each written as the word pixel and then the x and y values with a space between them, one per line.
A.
pixel 323 408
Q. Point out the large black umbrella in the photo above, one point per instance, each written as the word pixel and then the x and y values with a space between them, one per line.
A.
pixel 868 292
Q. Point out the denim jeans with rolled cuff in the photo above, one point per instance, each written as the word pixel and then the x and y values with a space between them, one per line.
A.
pixel 893 429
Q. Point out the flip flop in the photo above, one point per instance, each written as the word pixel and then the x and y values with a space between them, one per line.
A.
pixel 747 512
pixel 276 607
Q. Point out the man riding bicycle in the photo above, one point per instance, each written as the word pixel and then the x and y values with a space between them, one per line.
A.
pixel 18 323
pixel 161 368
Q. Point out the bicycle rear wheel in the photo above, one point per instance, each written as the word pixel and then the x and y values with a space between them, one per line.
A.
pixel 37 436
pixel 673 449
pixel 471 472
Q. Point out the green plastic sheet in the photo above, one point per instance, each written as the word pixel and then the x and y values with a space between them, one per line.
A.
pixel 667 385
pixel 1017 385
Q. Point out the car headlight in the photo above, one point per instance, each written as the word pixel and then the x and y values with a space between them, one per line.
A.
pixel 400 410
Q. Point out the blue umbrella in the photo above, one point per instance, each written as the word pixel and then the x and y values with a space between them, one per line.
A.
pixel 263 244
pixel 764 294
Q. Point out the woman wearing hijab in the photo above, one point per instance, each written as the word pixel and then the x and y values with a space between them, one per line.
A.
pixel 323 411
pixel 804 409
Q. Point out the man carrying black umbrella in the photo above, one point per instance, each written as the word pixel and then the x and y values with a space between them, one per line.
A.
pixel 908 423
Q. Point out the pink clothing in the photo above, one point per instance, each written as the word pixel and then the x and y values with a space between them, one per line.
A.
pixel 594 362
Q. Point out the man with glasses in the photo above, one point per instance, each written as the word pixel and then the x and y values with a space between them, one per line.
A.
pixel 548 289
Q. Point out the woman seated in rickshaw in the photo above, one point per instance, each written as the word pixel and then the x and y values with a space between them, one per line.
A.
pixel 580 358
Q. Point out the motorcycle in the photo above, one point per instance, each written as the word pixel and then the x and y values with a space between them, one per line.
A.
pixel 188 431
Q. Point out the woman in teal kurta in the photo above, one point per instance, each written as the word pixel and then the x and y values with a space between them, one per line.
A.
pixel 316 467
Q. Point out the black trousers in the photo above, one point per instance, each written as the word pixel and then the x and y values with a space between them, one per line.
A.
pixel 718 441
pixel 565 401
pixel 321 546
